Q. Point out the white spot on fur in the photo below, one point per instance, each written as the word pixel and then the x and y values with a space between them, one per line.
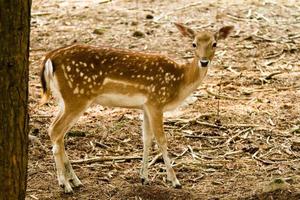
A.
pixel 68 68
pixel 94 77
pixel 76 90
pixel 70 84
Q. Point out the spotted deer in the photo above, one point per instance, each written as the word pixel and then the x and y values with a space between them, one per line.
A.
pixel 80 75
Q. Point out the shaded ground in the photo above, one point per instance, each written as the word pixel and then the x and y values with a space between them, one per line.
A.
pixel 254 150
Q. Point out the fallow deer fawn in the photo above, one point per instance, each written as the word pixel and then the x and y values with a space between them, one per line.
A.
pixel 81 75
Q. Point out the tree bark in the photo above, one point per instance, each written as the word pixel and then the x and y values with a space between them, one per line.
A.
pixel 14 54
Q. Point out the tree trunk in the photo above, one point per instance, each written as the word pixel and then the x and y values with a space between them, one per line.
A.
pixel 14 53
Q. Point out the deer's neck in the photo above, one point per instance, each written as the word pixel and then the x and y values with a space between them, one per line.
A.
pixel 194 74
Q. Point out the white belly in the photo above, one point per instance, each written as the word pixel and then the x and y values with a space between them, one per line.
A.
pixel 121 100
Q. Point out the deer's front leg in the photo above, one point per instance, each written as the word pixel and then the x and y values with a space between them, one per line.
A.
pixel 147 141
pixel 155 115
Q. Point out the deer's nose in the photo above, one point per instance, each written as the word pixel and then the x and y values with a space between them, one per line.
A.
pixel 204 62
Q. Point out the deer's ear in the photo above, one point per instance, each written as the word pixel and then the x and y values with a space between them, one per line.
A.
pixel 185 31
pixel 224 32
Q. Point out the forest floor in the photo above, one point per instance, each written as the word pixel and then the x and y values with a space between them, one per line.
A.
pixel 237 139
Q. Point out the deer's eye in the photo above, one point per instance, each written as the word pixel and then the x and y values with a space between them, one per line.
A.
pixel 194 45
pixel 214 45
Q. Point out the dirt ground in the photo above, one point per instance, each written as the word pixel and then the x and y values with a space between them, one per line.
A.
pixel 238 138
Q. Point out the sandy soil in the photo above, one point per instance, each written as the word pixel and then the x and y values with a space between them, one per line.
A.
pixel 238 140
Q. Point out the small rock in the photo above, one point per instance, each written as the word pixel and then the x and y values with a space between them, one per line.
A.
pixel 250 149
pixel 295 145
pixel 98 31
pixel 35 131
pixel 276 184
pixel 150 32
pixel 148 16
pixel 134 23
pixel 76 134
pixel 295 129
pixel 138 34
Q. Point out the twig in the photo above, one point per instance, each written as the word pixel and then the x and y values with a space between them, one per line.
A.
pixel 233 152
pixel 274 55
pixel 267 39
pixel 242 125
pixel 268 77
pixel 225 96
pixel 41 116
pixel 180 155
pixel 154 159
pixel 103 159
pixel 201 136
pixel 275 89
pixel 236 18
pixel 40 14
pixel 263 161
pixel 210 125
pixel 186 121
pixel 236 135
pixel 294 36
pixel 105 1
pixel 34 197
pixel 192 152
pixel 287 88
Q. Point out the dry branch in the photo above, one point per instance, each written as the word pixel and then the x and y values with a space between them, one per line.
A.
pixel 237 134
pixel 210 125
pixel 105 1
pixel 189 135
pixel 224 96
pixel 103 159
pixel 273 74
pixel 155 158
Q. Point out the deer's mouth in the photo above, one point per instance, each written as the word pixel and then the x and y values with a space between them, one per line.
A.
pixel 203 63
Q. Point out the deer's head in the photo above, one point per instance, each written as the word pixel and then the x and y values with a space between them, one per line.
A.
pixel 204 42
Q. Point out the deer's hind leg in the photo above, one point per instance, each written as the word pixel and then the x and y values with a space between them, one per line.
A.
pixel 65 119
